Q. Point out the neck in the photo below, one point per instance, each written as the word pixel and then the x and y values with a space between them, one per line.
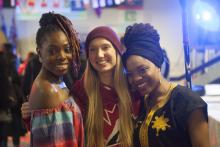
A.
pixel 160 92
pixel 50 76
pixel 106 78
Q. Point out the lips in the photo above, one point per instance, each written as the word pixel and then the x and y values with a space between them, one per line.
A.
pixel 62 66
pixel 101 62
pixel 141 85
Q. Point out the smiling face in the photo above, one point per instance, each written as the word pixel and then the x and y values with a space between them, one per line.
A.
pixel 102 55
pixel 55 53
pixel 142 74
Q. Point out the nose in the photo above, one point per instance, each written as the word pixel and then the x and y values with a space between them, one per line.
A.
pixel 62 55
pixel 100 53
pixel 135 77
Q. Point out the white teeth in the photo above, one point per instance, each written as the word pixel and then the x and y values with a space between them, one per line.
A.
pixel 141 85
pixel 101 62
pixel 62 66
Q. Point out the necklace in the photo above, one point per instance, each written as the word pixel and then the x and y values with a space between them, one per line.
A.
pixel 149 104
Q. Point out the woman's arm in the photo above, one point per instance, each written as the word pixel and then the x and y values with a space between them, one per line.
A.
pixel 198 129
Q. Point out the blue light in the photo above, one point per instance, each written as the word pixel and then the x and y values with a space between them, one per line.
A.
pixel 206 16
pixel 198 17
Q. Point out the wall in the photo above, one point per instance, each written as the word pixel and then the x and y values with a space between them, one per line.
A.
pixel 165 16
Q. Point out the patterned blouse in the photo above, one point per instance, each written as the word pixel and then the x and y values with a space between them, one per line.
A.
pixel 57 127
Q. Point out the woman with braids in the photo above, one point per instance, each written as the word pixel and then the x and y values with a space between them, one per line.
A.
pixel 174 116
pixel 103 94
pixel 55 118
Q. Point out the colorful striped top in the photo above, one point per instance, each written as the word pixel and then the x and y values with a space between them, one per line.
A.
pixel 57 127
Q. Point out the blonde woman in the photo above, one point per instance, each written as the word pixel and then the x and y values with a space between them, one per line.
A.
pixel 103 93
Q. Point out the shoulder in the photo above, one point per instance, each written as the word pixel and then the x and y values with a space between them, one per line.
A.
pixel 80 95
pixel 184 102
pixel 41 92
pixel 78 89
pixel 185 96
pixel 77 85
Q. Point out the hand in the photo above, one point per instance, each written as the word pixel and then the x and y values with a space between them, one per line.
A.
pixel 25 110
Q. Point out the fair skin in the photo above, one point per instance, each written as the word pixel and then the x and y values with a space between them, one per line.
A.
pixel 102 56
pixel 55 55
pixel 147 79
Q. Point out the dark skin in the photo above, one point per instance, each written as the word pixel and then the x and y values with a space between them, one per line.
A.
pixel 45 95
pixel 149 81
pixel 55 55
pixel 198 129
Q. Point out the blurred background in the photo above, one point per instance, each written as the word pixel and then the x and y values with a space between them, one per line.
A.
pixel 19 23
pixel 189 34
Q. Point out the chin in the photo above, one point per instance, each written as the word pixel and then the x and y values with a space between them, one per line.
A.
pixel 106 69
pixel 61 73
pixel 143 92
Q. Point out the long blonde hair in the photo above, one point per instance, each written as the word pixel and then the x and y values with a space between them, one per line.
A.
pixel 94 121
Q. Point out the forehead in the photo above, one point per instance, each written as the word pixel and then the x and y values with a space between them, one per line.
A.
pixel 134 61
pixel 57 37
pixel 99 41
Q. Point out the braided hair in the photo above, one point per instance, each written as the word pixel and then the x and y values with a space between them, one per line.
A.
pixel 51 22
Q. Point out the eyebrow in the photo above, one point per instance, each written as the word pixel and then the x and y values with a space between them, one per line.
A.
pixel 139 67
pixel 52 45
pixel 107 44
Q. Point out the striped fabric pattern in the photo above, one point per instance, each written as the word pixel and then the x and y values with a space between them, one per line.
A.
pixel 58 127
